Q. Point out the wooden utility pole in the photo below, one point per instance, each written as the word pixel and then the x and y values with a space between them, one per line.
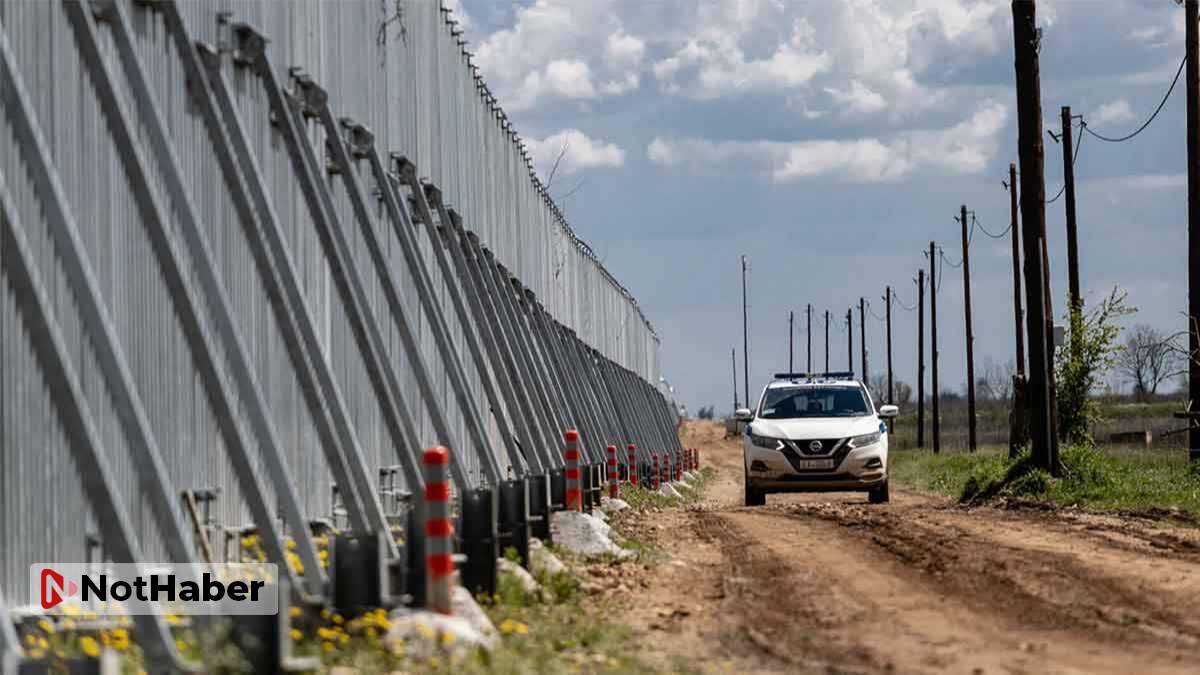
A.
pixel 1018 433
pixel 1193 151
pixel 862 339
pixel 1072 230
pixel 933 344
pixel 921 358
pixel 850 340
pixel 966 265
pixel 1033 216
pixel 745 338
pixel 827 341
pixel 733 357
pixel 887 300
pixel 791 340
pixel 1014 225
pixel 809 369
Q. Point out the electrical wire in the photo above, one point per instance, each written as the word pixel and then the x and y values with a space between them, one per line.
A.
pixel 1145 124
pixel 1008 229
pixel 871 311
pixel 1074 161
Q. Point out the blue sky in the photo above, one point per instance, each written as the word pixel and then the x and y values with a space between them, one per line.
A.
pixel 829 142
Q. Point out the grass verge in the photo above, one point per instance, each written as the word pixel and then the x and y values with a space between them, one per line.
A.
pixel 1127 479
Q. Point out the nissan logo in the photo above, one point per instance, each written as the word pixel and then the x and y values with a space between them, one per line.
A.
pixel 816 446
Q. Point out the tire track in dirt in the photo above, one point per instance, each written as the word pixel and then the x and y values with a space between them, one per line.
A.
pixel 821 583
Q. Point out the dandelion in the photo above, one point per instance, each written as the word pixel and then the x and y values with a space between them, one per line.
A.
pixel 372 633
pixel 120 639
pixel 181 645
pixel 296 635
pixel 46 626
pixel 294 612
pixel 43 643
pixel 507 626
pixel 30 640
pixel 448 638
pixel 89 646
pixel 522 629
pixel 327 647
pixel 324 633
pixel 174 619
pixel 325 614
pixel 338 620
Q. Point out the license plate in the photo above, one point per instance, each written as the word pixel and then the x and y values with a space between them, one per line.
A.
pixel 815 464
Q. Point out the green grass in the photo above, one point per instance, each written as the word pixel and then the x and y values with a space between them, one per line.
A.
pixel 1108 478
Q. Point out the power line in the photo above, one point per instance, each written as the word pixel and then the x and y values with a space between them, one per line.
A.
pixel 983 229
pixel 1074 160
pixel 1145 124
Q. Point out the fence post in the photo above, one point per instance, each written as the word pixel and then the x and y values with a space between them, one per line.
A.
pixel 439 530
pixel 631 457
pixel 571 455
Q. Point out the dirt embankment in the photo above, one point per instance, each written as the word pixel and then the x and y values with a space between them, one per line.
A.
pixel 827 583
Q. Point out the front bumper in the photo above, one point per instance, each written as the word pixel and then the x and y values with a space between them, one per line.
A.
pixel 779 470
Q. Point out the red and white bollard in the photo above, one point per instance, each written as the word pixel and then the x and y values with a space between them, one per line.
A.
pixel 678 465
pixel 439 531
pixel 632 459
pixel 664 470
pixel 571 455
pixel 655 476
pixel 613 480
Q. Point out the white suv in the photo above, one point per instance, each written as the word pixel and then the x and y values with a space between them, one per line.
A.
pixel 816 433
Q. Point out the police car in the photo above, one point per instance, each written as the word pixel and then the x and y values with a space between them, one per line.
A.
pixel 816 433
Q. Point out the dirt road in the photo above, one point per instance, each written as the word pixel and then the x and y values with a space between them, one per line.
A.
pixel 827 583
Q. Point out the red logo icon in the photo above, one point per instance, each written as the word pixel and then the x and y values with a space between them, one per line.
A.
pixel 54 587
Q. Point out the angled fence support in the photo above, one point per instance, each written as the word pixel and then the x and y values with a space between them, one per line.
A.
pixel 260 226
pixel 184 296
pixel 62 386
pixel 10 647
pixel 152 473
pixel 429 202
pixel 494 343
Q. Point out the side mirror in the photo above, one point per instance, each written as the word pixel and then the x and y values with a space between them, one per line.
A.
pixel 743 415
pixel 888 412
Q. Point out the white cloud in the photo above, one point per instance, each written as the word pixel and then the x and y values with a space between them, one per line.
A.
pixel 581 152
pixel 1116 111
pixel 1142 183
pixel 964 148
pixel 858 98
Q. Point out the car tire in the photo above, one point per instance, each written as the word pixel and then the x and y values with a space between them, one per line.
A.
pixel 754 497
pixel 879 495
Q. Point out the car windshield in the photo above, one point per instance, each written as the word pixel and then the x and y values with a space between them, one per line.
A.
pixel 802 402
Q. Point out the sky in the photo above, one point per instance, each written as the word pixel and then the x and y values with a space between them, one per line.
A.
pixel 829 142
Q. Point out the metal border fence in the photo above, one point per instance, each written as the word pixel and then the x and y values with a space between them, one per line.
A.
pixel 256 256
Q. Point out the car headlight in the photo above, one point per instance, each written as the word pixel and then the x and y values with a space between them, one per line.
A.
pixel 864 440
pixel 766 442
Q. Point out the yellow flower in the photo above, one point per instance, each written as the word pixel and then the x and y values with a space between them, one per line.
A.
pixel 448 638
pixel 425 631
pixel 36 654
pixel 294 612
pixel 325 614
pixel 173 619
pixel 46 626
pixel 372 633
pixel 70 610
pixel 181 645
pixel 296 635
pixel 327 647
pixel 89 646
pixel 337 619
pixel 43 643
pixel 291 544
pixel 507 626
pixel 30 640
pixel 522 629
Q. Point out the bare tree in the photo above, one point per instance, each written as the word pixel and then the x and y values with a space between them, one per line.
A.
pixel 878 388
pixel 1147 361
pixel 995 382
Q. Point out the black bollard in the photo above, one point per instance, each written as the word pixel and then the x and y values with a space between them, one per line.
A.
pixel 414 555
pixel 539 507
pixel 558 490
pixel 354 572
pixel 479 540
pixel 514 519
pixel 599 471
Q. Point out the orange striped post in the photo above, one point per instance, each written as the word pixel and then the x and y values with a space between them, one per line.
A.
pixel 614 489
pixel 632 457
pixel 571 455
pixel 439 531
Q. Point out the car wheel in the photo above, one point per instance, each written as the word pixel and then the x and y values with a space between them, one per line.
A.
pixel 754 497
pixel 879 495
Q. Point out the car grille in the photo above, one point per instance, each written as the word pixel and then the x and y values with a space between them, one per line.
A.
pixel 835 449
